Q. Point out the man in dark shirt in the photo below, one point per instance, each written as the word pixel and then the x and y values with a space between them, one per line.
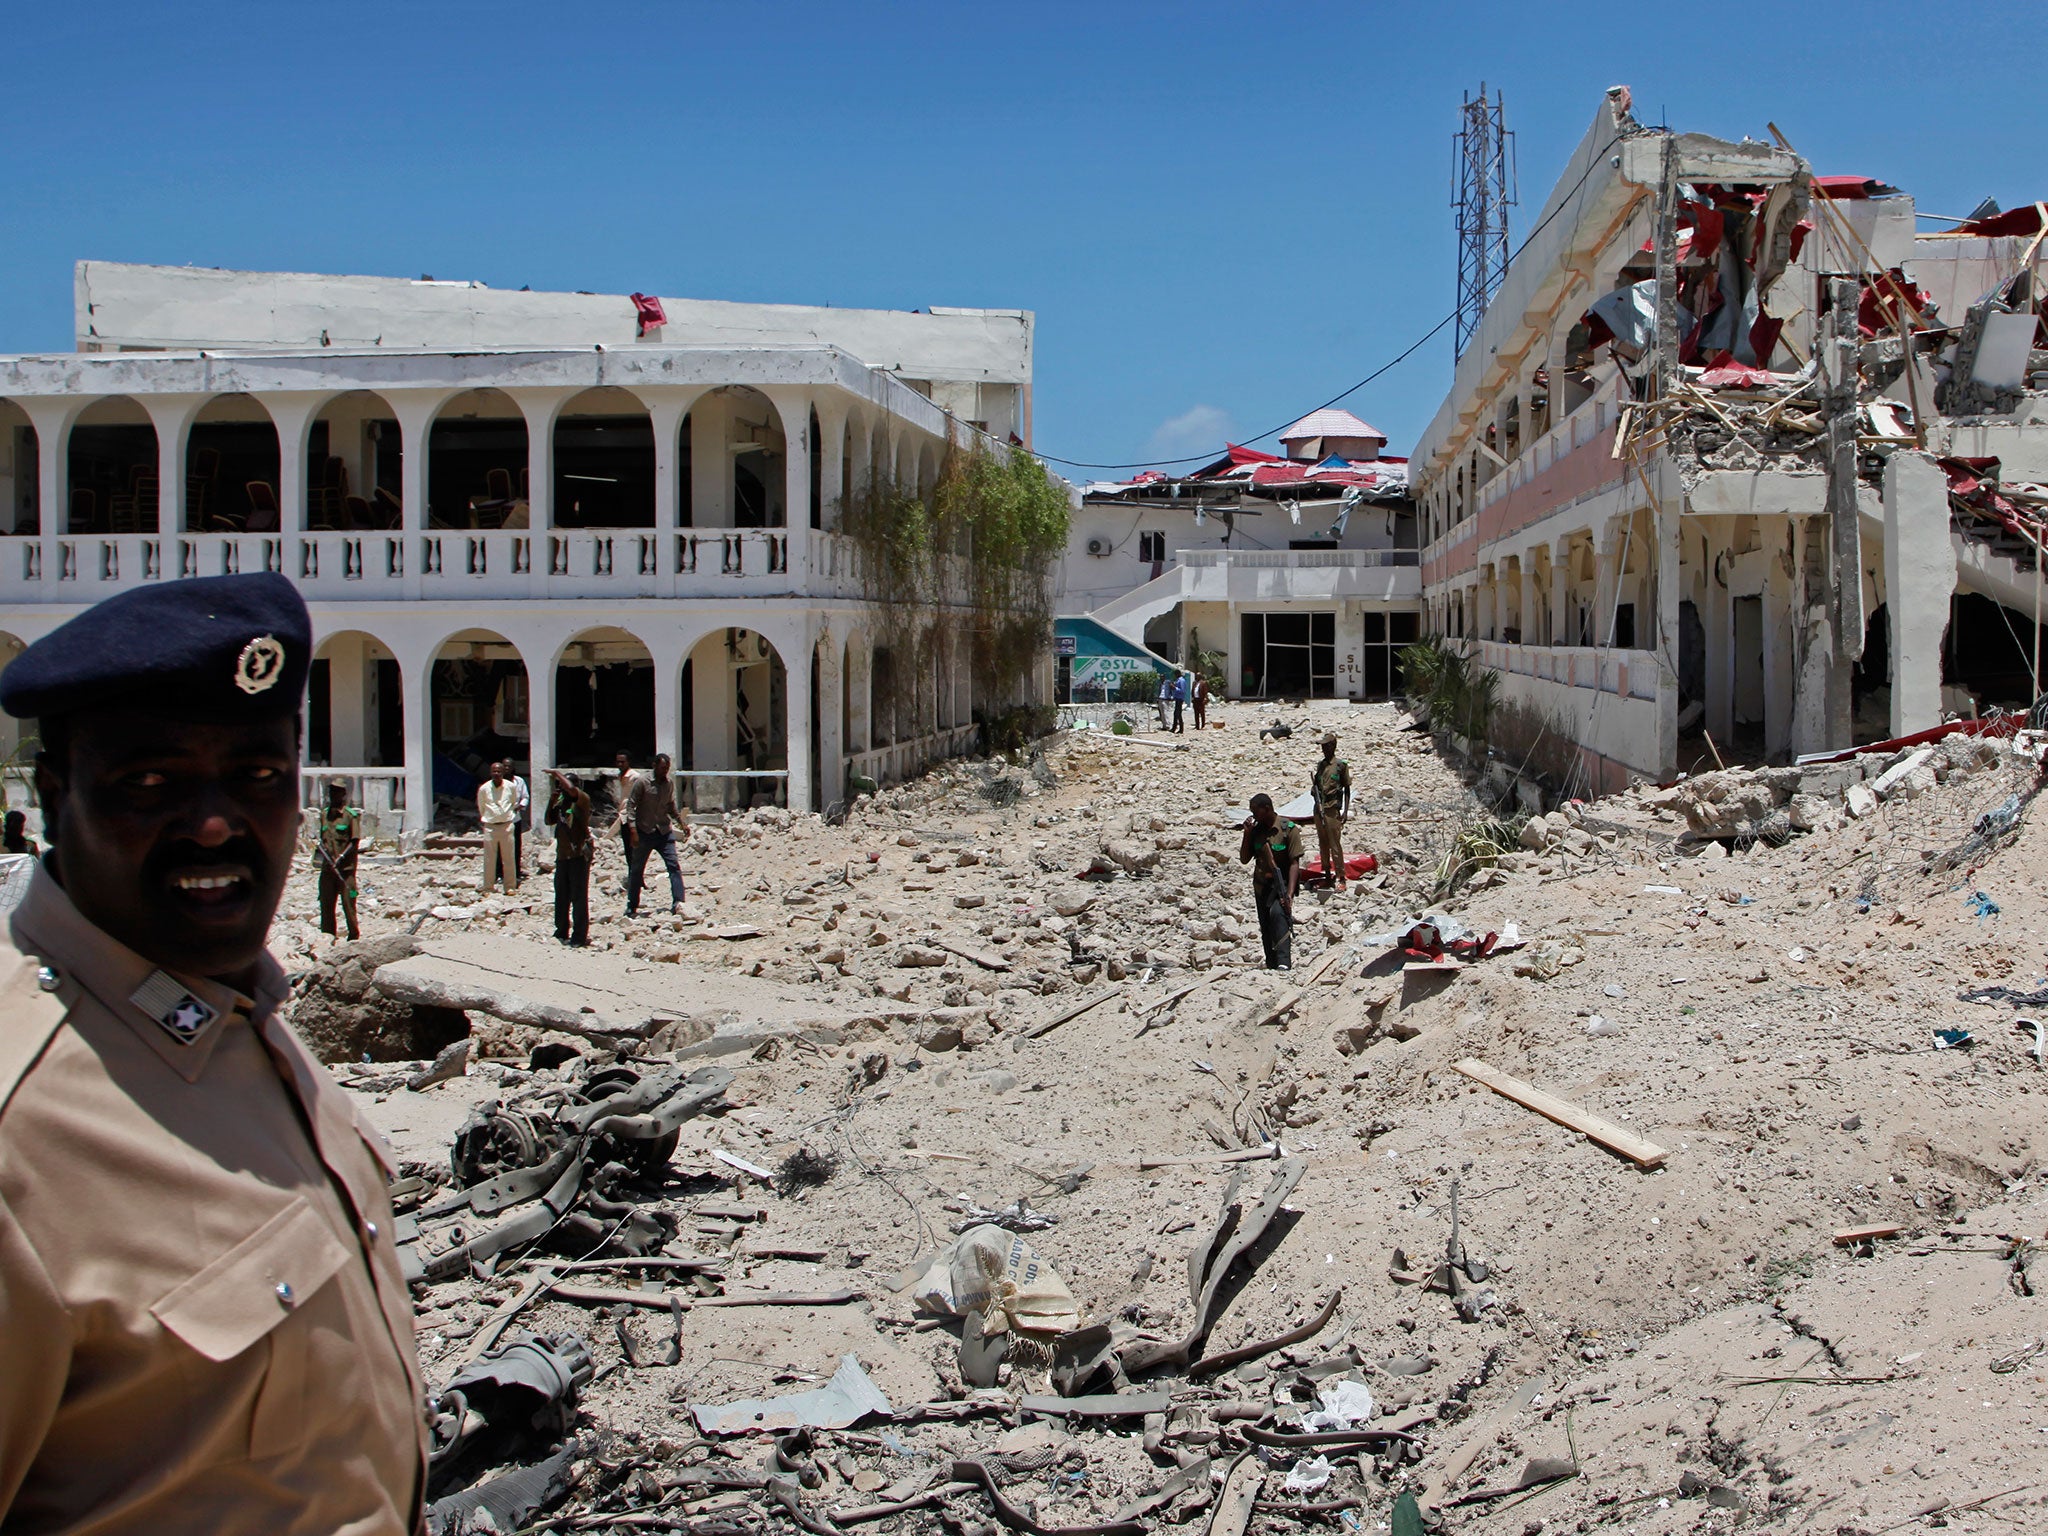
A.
pixel 1272 846
pixel 568 812
pixel 649 817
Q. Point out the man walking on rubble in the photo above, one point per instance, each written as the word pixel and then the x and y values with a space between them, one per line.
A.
pixel 568 813
pixel 203 1324
pixel 336 852
pixel 1331 789
pixel 624 787
pixel 1180 703
pixel 1201 701
pixel 650 818
pixel 497 804
pixel 1272 846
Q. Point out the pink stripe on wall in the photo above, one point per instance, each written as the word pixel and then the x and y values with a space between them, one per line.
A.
pixel 1586 468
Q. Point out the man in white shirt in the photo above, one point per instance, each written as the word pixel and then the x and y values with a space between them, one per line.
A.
pixel 497 807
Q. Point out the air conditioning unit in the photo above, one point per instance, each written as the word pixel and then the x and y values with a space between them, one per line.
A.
pixel 1098 547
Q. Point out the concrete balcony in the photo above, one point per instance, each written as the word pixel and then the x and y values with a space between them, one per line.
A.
pixel 1301 575
pixel 614 564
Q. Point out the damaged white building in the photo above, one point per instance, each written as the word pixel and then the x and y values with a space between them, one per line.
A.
pixel 1794 505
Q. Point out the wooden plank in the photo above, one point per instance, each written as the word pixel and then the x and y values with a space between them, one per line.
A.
pixel 981 958
pixel 1072 1011
pixel 1644 1154
pixel 1248 1155
pixel 1851 1235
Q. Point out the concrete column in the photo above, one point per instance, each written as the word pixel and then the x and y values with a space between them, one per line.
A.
pixel 831 785
pixel 666 409
pixel 1664 592
pixel 348 701
pixel 541 408
pixel 665 651
pixel 414 410
pixel 292 413
pixel 794 407
pixel 1561 593
pixel 860 442
pixel 711 724
pixel 1607 582
pixel 860 687
pixel 797 696
pixel 831 444
pixel 52 420
pixel 171 416
pixel 710 463
pixel 1780 666
pixel 1920 581
pixel 415 670
pixel 540 657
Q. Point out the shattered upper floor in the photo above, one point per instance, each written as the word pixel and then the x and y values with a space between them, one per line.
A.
pixel 1724 375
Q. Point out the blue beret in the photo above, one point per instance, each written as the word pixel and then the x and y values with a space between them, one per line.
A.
pixel 216 648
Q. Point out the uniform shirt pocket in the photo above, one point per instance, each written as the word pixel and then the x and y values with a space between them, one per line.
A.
pixel 254 1293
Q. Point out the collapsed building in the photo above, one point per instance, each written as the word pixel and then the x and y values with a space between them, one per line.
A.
pixel 535 526
pixel 1741 463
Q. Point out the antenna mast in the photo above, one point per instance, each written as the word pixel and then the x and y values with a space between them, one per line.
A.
pixel 1482 191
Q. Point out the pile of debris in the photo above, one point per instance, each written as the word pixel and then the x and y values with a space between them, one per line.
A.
pixel 1744 806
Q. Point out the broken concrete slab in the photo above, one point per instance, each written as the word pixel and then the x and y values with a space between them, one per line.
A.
pixel 609 997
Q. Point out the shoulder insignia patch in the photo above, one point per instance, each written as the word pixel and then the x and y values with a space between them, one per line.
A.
pixel 183 1017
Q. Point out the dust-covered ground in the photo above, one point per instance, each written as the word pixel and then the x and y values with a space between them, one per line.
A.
pixel 1689 1340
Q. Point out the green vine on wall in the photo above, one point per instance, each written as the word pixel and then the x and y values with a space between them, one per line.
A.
pixel 978 552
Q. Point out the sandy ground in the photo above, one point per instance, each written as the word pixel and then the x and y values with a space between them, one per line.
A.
pixel 1691 1335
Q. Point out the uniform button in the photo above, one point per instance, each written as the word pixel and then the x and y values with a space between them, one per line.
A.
pixel 370 1230
pixel 48 979
pixel 284 1293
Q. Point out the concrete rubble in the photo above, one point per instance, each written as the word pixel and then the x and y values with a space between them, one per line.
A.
pixel 1288 1263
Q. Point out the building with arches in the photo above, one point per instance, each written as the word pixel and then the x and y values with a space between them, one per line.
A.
pixel 549 527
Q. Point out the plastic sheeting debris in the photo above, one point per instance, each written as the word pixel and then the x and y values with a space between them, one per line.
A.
pixel 1345 1404
pixel 846 1399
pixel 1307 1476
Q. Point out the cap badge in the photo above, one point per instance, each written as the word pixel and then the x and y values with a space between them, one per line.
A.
pixel 260 665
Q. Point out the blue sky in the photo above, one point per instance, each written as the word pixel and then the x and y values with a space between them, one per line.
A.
pixel 1222 215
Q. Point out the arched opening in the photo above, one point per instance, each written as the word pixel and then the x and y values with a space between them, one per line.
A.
pixel 817 473
pixel 735 703
pixel 481 711
pixel 231 468
pixel 355 712
pixel 758 451
pixel 355 459
pixel 20 472
pixel 604 700
pixel 604 462
pixel 113 467
pixel 477 463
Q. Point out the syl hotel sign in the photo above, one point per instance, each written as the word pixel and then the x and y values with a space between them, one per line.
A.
pixel 1100 670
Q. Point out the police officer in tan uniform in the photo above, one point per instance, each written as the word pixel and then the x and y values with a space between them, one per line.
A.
pixel 203 1326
